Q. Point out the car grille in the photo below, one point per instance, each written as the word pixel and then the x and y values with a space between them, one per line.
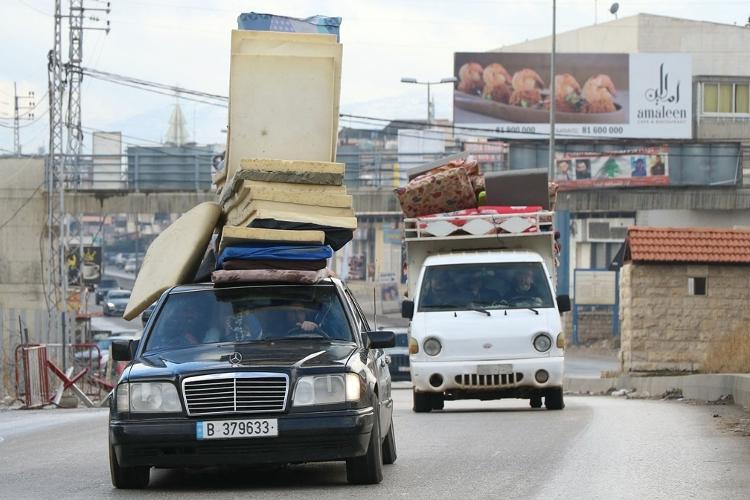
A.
pixel 238 392
pixel 497 380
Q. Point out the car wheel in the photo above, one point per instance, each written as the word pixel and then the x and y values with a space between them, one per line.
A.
pixel 536 402
pixel 368 469
pixel 422 402
pixel 389 446
pixel 127 478
pixel 553 400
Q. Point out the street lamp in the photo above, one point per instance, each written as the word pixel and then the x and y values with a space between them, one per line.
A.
pixel 430 110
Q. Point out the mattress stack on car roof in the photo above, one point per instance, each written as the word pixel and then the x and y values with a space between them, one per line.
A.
pixel 282 208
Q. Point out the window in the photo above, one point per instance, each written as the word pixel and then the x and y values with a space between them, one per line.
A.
pixel 726 98
pixel 491 285
pixel 697 286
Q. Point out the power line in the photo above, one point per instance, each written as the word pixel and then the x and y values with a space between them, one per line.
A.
pixel 25 202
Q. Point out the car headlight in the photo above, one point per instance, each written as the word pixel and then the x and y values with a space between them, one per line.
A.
pixel 148 397
pixel 327 389
pixel 432 346
pixel 542 342
pixel 110 304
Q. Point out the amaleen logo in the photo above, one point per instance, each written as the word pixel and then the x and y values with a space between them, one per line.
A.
pixel 664 98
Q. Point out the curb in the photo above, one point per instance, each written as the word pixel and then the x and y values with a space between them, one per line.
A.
pixel 709 387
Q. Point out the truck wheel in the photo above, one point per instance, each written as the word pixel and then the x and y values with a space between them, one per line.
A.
pixel 536 402
pixel 553 400
pixel 389 446
pixel 438 402
pixel 368 469
pixel 422 402
pixel 127 478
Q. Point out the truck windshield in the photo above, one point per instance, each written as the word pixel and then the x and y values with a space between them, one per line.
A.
pixel 462 287
pixel 249 314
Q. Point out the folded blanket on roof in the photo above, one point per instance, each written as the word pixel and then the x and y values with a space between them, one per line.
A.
pixel 269 275
pixel 301 265
pixel 335 237
pixel 256 251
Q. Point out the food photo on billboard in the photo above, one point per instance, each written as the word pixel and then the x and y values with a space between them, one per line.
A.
pixel 595 94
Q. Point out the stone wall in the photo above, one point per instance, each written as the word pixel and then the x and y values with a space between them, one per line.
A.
pixel 665 328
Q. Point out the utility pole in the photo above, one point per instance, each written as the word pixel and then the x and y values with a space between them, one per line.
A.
pixel 60 175
pixel 21 111
pixel 552 97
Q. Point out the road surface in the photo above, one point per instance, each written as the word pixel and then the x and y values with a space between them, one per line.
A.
pixel 598 447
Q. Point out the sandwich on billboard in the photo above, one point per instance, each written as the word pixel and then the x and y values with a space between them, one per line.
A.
pixel 596 95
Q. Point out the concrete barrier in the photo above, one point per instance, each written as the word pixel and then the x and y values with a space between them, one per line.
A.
pixel 709 387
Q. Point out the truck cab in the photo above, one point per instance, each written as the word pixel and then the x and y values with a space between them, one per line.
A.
pixel 485 321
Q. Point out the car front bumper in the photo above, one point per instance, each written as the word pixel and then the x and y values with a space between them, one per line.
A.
pixel 459 377
pixel 311 437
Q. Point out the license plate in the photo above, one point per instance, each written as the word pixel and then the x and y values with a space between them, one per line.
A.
pixel 494 369
pixel 403 368
pixel 229 429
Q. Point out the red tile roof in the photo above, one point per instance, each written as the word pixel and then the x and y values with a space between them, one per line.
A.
pixel 700 245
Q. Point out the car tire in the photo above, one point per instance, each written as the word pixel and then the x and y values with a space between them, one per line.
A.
pixel 368 469
pixel 553 400
pixel 389 446
pixel 536 402
pixel 127 478
pixel 422 402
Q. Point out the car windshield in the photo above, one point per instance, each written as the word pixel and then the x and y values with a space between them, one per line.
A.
pixel 119 295
pixel 249 314
pixel 483 286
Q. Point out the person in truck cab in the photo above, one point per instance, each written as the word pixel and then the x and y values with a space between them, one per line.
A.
pixel 439 290
pixel 524 289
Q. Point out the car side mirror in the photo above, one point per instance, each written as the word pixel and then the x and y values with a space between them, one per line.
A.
pixel 380 339
pixel 124 350
pixel 563 303
pixel 407 309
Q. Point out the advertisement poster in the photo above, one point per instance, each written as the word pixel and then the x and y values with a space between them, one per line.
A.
pixel 632 167
pixel 596 95
pixel 90 267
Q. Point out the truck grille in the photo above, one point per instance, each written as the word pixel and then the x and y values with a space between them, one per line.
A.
pixel 497 380
pixel 238 392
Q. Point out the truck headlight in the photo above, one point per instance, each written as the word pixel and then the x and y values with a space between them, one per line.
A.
pixel 110 305
pixel 327 389
pixel 542 342
pixel 432 346
pixel 148 397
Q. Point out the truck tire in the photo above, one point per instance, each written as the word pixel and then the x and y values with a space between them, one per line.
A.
pixel 536 402
pixel 422 402
pixel 438 402
pixel 553 400
pixel 368 469
pixel 127 478
pixel 389 446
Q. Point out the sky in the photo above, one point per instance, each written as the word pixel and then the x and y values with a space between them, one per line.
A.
pixel 186 43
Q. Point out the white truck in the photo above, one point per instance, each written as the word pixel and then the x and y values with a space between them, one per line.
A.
pixel 485 321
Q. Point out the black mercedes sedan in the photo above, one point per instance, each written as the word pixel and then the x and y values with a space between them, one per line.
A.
pixel 253 374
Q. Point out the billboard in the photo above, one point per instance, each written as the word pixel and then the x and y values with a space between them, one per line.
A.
pixel 596 95
pixel 632 167
pixel 90 267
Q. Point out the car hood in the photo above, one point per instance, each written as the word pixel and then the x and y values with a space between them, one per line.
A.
pixel 118 302
pixel 283 355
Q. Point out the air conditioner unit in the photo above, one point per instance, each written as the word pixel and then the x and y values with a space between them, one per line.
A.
pixel 607 230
